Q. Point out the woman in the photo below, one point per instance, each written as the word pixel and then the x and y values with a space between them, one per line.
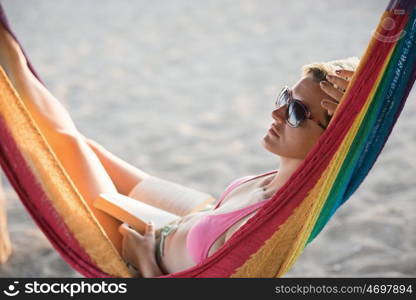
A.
pixel 301 115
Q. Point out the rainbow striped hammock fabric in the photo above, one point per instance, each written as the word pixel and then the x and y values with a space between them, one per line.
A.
pixel 271 241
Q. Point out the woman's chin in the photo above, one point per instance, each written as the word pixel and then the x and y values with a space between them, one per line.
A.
pixel 269 143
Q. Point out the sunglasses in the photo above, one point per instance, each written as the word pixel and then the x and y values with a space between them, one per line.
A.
pixel 297 111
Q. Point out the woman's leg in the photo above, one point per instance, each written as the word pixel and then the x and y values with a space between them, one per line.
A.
pixel 124 175
pixel 79 160
pixel 5 244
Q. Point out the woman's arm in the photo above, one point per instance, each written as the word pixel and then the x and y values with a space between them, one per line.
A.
pixel 139 250
pixel 151 270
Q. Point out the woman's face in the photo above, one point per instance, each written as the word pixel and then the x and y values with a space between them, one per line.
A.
pixel 297 142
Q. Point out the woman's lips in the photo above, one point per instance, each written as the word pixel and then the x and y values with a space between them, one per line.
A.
pixel 273 130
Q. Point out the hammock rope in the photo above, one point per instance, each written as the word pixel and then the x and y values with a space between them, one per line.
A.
pixel 272 240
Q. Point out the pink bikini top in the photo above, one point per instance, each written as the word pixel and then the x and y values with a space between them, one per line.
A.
pixel 209 228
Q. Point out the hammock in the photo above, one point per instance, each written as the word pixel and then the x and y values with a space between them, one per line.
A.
pixel 271 241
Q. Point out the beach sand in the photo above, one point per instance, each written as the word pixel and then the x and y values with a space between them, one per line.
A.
pixel 184 90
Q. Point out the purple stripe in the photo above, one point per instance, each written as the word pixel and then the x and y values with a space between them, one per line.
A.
pixel 400 5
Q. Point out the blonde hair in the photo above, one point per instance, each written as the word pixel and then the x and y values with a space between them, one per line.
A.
pixel 319 70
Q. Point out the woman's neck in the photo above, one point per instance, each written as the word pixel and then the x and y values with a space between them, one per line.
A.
pixel 287 167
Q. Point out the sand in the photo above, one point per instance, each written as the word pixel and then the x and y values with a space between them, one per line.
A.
pixel 184 90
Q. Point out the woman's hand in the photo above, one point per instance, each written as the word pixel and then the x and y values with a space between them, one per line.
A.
pixel 335 88
pixel 139 250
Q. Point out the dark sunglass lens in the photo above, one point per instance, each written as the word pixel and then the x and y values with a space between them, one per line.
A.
pixel 282 98
pixel 296 114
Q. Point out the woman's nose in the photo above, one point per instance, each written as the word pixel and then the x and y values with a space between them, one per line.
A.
pixel 279 114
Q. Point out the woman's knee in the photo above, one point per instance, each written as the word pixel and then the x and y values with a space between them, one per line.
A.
pixel 65 139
